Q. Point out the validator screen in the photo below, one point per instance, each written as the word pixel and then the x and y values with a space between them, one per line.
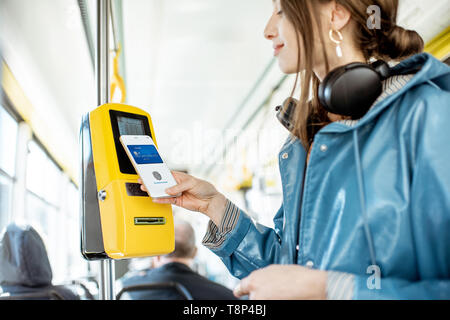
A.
pixel 130 127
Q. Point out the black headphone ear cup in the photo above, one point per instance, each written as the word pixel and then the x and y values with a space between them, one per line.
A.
pixel 326 87
pixel 350 90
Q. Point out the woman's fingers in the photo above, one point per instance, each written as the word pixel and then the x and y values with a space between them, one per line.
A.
pixel 165 200
pixel 180 177
pixel 182 186
pixel 242 289
pixel 238 291
pixel 143 188
pixel 185 182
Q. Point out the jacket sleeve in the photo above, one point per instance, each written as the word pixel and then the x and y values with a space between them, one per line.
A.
pixel 247 245
pixel 429 137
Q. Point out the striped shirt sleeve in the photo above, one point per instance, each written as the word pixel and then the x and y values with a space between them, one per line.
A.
pixel 216 235
pixel 340 286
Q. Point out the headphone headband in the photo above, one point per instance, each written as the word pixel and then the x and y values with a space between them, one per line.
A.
pixel 348 90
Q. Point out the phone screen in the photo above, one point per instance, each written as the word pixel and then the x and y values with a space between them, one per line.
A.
pixel 148 163
pixel 145 154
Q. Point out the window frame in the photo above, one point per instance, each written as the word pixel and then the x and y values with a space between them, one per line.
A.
pixel 11 179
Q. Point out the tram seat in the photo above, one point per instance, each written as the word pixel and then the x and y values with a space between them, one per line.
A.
pixel 38 295
pixel 178 289
pixel 25 271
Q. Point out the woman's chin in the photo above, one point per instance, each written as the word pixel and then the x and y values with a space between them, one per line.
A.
pixel 286 68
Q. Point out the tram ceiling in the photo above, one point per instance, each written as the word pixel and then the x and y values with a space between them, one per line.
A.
pixel 187 61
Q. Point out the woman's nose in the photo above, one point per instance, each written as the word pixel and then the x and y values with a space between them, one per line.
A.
pixel 270 31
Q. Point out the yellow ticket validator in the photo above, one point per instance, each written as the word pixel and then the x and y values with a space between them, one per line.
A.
pixel 118 219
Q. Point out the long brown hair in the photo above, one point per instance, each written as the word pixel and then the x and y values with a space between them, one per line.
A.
pixel 391 42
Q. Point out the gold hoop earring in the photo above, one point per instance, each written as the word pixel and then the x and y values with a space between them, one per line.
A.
pixel 337 42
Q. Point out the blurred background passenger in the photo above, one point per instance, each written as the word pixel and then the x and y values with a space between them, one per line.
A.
pixel 175 267
pixel 25 268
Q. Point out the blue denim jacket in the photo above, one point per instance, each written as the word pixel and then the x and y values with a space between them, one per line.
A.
pixel 376 193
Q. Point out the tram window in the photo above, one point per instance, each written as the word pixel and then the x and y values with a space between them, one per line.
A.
pixel 74 265
pixel 43 176
pixel 8 141
pixel 38 213
pixel 5 200
pixel 43 205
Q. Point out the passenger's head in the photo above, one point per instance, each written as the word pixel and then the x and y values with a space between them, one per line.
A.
pixel 185 248
pixel 301 31
pixel 23 258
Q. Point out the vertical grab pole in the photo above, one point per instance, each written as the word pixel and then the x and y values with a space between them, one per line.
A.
pixel 107 272
pixel 102 52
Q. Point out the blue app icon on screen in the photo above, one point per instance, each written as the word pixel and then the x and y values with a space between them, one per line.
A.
pixel 145 154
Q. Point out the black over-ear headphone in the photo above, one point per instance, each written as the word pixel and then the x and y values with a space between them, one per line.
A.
pixel 352 89
pixel 349 90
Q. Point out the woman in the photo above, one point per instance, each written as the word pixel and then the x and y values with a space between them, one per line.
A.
pixel 337 235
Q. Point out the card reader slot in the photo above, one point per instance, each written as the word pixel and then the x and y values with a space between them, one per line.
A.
pixel 152 221
pixel 134 190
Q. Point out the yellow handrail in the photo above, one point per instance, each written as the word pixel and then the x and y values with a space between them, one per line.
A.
pixel 117 80
pixel 440 46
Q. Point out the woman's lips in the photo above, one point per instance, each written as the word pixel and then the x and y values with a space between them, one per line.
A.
pixel 277 49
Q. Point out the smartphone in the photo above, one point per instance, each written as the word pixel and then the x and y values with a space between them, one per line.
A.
pixel 149 165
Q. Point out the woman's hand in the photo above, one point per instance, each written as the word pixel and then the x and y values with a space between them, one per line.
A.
pixel 284 282
pixel 195 195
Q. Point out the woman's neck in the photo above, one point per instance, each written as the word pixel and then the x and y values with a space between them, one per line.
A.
pixel 350 55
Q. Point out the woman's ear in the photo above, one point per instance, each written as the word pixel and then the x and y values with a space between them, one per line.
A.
pixel 340 16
